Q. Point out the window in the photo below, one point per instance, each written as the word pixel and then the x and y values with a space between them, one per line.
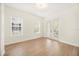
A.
pixel 16 24
pixel 16 27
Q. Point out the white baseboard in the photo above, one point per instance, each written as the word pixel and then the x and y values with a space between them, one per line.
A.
pixel 73 44
pixel 22 40
pixel 68 43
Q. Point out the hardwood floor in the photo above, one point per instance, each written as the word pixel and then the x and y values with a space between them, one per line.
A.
pixel 41 47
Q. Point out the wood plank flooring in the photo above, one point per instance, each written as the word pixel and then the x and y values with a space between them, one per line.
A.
pixel 41 47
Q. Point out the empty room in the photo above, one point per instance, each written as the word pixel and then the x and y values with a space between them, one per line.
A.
pixel 39 29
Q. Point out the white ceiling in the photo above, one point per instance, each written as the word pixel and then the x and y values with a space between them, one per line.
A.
pixel 51 11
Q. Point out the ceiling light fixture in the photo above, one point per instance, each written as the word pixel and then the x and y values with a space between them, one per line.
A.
pixel 41 5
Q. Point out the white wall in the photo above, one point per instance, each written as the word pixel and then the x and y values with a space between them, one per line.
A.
pixel 30 21
pixel 45 26
pixel 69 26
pixel 0 29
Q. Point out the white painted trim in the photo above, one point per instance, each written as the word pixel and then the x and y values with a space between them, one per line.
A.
pixel 23 40
pixel 68 43
pixel 76 45
pixel 2 30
